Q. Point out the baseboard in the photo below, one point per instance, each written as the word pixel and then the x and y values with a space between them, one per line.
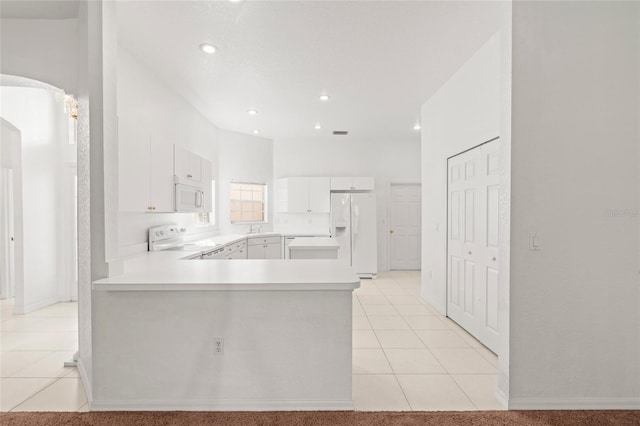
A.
pixel 37 305
pixel 88 390
pixel 221 405
pixel 502 398
pixel 574 404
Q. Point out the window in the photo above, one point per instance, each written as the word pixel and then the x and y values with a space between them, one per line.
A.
pixel 248 202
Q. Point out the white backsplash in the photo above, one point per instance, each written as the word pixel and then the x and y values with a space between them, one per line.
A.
pixel 302 223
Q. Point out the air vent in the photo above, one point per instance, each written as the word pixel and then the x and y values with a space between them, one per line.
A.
pixel 340 132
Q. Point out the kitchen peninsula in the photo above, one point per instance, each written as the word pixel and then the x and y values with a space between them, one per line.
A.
pixel 178 334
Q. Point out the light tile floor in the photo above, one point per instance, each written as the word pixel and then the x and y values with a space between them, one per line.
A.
pixel 406 356
pixel 33 349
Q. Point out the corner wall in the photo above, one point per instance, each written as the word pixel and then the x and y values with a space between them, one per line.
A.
pixel 169 119
pixel 575 303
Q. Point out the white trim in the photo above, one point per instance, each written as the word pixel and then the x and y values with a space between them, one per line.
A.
pixel 86 383
pixel 502 398
pixel 222 405
pixel 574 404
pixel 37 305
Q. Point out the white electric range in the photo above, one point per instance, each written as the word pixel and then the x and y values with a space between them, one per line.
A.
pixel 176 238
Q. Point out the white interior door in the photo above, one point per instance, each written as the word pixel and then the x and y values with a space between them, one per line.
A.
pixel 7 252
pixel 472 257
pixel 405 227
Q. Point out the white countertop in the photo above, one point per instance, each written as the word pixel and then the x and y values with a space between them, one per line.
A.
pixel 304 243
pixel 171 271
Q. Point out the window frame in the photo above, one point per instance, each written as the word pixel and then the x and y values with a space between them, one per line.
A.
pixel 265 192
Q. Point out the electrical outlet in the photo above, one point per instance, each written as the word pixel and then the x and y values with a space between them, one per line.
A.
pixel 218 346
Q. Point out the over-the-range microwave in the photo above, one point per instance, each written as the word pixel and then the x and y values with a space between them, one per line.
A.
pixel 189 196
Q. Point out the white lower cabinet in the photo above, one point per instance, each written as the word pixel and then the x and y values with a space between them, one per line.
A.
pixel 237 250
pixel 264 248
pixel 238 254
pixel 251 248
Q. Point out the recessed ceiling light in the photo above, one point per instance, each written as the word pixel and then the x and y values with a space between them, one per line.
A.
pixel 417 126
pixel 324 97
pixel 208 48
pixel 317 126
pixel 252 112
pixel 255 132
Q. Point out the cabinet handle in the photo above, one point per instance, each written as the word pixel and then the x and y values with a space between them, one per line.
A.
pixel 265 246
pixel 189 176
pixel 353 187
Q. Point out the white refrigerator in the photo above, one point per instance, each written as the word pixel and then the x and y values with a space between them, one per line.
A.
pixel 353 225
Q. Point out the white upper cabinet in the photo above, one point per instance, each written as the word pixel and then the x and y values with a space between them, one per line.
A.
pixel 145 173
pixel 319 195
pixel 297 195
pixel 161 185
pixel 352 183
pixel 303 195
pixel 186 164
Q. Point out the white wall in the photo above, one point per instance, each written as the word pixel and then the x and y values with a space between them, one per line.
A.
pixel 243 158
pixel 339 156
pixel 40 117
pixel 465 112
pixel 575 304
pixel 41 49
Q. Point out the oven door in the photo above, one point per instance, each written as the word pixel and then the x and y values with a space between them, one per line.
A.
pixel 189 198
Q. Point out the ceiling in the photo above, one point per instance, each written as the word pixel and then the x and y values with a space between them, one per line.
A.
pixel 378 60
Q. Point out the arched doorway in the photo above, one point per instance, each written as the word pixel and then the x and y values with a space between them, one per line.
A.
pixel 38 197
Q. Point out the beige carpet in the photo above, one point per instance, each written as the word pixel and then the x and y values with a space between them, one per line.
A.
pixel 308 418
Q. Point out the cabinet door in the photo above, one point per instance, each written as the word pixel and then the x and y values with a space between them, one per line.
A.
pixel 297 195
pixel 255 252
pixel 319 195
pixel 134 163
pixel 161 185
pixel 180 162
pixel 363 183
pixel 273 251
pixel 195 167
pixel 340 183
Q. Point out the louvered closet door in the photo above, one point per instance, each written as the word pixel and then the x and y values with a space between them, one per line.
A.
pixel 472 258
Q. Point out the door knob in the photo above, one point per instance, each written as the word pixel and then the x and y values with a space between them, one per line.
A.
pixel 469 253
pixel 494 259
pixel 391 231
